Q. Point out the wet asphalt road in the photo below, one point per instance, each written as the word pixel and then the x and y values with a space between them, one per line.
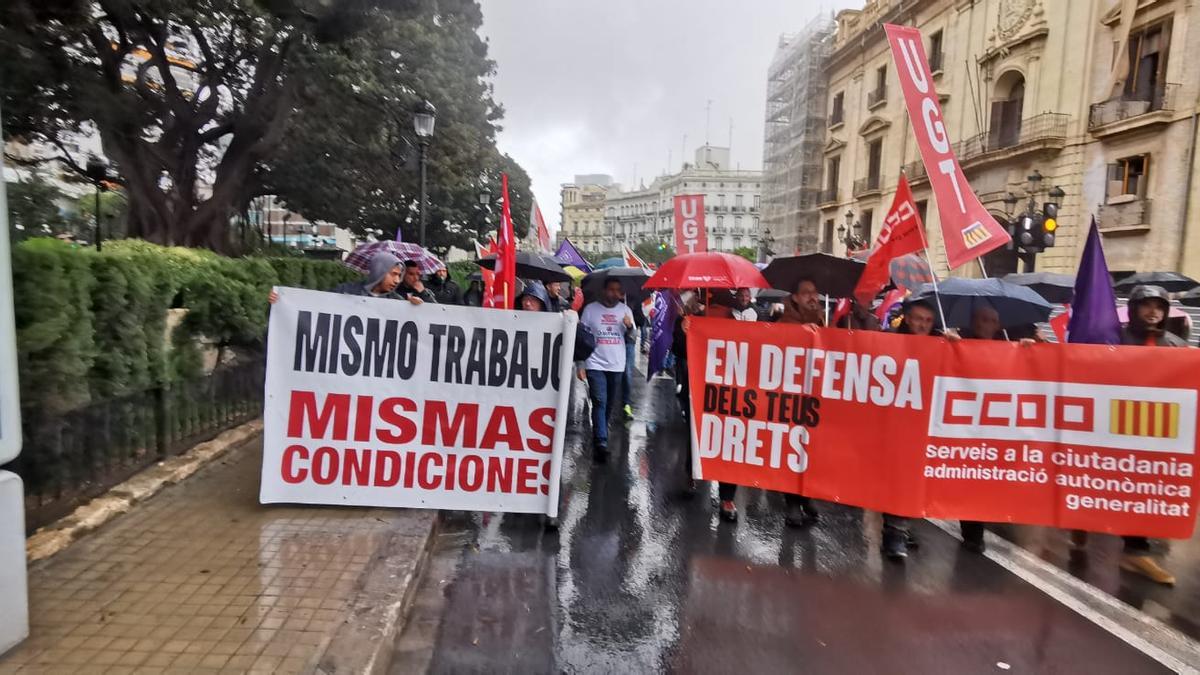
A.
pixel 640 579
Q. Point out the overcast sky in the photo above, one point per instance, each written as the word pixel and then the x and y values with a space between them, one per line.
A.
pixel 604 86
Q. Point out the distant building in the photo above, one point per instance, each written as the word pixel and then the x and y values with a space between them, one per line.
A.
pixel 288 228
pixel 598 219
pixel 582 216
pixel 793 137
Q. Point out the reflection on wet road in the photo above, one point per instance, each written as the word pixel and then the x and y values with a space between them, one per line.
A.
pixel 640 579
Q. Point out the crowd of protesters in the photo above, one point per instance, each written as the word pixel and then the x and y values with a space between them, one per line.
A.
pixel 611 330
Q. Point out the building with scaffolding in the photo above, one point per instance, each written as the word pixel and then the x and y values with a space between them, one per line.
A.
pixel 794 139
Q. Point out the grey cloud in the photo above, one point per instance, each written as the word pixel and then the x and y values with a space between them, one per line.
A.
pixel 600 86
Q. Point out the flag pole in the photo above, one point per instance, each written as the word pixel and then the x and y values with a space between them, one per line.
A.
pixel 937 294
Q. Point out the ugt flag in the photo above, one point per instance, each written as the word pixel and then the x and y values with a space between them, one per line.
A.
pixel 901 234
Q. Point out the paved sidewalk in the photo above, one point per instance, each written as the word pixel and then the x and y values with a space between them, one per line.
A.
pixel 202 578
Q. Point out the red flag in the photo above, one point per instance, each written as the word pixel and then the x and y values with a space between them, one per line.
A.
pixel 689 224
pixel 895 295
pixel 506 255
pixel 633 260
pixel 968 230
pixel 840 310
pixel 538 224
pixel 488 276
pixel 1059 324
pixel 902 233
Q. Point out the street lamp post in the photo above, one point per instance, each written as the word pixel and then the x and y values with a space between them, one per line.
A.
pixel 849 235
pixel 424 116
pixel 97 172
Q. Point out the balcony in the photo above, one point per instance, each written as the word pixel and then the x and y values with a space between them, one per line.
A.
pixel 738 209
pixel 915 172
pixel 1130 215
pixel 1047 131
pixel 828 196
pixel 1128 113
pixel 876 98
pixel 864 187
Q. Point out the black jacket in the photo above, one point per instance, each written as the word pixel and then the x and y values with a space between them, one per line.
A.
pixel 445 292
pixel 404 291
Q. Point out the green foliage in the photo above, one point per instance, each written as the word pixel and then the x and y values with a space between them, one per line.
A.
pixel 653 253
pixel 93 325
pixel 352 156
pixel 459 271
pixel 748 252
pixel 34 208
pixel 52 284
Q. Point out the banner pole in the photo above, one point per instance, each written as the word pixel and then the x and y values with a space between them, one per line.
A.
pixel 566 382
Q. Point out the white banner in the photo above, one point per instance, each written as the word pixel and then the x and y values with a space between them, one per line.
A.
pixel 373 402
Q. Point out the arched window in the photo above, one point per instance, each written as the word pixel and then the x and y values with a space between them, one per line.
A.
pixel 1005 129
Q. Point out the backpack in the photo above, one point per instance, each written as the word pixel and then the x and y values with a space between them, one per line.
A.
pixel 585 342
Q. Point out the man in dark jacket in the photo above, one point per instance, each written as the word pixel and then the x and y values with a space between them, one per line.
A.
pixel 1148 310
pixel 803 306
pixel 918 319
pixel 445 290
pixel 411 287
pixel 473 297
pixel 555 298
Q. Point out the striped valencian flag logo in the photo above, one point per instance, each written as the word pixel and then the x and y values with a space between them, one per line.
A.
pixel 1151 419
pixel 975 235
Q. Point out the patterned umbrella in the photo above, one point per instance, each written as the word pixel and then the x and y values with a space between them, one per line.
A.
pixel 360 259
pixel 910 271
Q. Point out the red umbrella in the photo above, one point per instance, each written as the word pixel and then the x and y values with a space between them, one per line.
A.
pixel 707 270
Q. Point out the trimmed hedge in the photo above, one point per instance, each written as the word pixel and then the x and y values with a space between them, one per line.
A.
pixel 92 325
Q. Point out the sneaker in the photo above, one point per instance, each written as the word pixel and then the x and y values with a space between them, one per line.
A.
pixel 628 412
pixel 1144 565
pixel 729 511
pixel 895 546
pixel 600 454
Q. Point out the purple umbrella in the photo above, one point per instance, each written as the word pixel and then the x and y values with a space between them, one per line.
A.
pixel 360 259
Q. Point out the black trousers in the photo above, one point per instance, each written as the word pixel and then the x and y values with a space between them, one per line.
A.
pixel 726 491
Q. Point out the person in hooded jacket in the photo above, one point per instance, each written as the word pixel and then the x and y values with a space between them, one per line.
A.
pixel 1149 307
pixel 384 273
pixel 534 298
pixel 445 290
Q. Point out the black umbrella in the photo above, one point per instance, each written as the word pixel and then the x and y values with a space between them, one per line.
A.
pixel 531 266
pixel 1172 282
pixel 959 298
pixel 1056 288
pixel 632 279
pixel 1191 298
pixel 771 295
pixel 833 276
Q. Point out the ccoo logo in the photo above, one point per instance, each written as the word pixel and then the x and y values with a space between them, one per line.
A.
pixel 1110 416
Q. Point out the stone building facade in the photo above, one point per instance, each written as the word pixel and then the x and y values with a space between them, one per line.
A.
pixel 1026 88
pixel 732 202
pixel 582 215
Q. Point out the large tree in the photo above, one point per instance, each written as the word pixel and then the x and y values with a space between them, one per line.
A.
pixel 352 157
pixel 186 92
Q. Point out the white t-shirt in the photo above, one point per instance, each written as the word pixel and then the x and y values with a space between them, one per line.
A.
pixel 748 314
pixel 608 325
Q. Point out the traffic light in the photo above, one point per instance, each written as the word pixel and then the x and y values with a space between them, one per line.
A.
pixel 1027 231
pixel 1049 224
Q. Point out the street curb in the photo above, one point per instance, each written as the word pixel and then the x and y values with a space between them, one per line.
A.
pixel 53 538
pixel 380 610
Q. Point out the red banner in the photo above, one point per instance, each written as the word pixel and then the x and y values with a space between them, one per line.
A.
pixel 1072 436
pixel 689 224
pixel 901 234
pixel 968 230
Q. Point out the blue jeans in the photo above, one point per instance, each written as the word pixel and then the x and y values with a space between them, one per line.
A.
pixel 627 381
pixel 604 390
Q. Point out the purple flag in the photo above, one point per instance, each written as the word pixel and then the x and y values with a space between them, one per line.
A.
pixel 1094 311
pixel 662 331
pixel 400 233
pixel 568 255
